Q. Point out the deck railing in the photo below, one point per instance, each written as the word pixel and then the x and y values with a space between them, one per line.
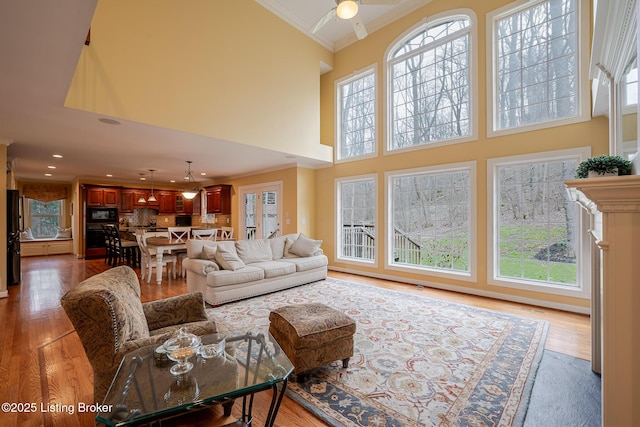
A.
pixel 358 241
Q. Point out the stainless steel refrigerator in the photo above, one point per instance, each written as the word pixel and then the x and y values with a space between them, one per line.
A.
pixel 13 237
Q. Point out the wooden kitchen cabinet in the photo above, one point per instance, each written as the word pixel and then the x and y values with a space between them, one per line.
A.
pixel 167 200
pixel 219 199
pixel 185 206
pixel 102 197
pixel 126 201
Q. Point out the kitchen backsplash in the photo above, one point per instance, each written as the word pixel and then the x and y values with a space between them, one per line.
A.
pixel 144 217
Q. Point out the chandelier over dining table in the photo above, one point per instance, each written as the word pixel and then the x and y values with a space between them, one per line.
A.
pixel 192 189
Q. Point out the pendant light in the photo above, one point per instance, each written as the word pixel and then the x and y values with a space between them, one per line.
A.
pixel 192 188
pixel 141 200
pixel 152 198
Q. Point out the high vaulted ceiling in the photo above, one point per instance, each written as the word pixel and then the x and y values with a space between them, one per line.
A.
pixel 39 49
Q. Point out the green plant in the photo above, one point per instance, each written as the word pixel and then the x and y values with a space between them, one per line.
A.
pixel 604 164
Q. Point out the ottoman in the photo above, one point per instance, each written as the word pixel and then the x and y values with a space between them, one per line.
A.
pixel 312 335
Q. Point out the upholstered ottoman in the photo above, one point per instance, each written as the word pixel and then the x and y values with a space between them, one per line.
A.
pixel 312 335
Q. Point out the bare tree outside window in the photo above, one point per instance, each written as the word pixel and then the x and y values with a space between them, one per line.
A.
pixel 430 85
pixel 44 217
pixel 431 219
pixel 537 64
pixel 536 224
pixel 357 228
pixel 357 116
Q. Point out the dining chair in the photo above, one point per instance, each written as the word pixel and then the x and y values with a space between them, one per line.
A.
pixel 179 235
pixel 209 234
pixel 120 251
pixel 226 233
pixel 148 259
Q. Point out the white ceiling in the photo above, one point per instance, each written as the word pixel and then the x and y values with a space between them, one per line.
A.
pixel 39 49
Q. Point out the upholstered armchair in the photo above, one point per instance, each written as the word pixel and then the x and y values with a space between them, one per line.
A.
pixel 111 321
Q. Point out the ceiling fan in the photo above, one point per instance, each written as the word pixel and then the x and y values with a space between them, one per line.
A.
pixel 348 9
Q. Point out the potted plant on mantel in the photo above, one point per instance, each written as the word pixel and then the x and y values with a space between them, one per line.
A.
pixel 604 165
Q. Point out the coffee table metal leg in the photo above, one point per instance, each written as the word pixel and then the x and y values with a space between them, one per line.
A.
pixel 275 405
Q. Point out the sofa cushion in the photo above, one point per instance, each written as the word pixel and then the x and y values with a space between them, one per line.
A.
pixel 304 246
pixel 228 259
pixel 228 277
pixel 250 251
pixel 309 263
pixel 275 268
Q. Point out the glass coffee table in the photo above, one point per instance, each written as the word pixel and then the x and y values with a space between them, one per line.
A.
pixel 143 390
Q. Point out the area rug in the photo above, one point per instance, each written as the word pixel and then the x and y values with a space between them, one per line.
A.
pixel 418 361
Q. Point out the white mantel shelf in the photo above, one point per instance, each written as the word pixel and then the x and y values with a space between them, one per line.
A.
pixel 618 200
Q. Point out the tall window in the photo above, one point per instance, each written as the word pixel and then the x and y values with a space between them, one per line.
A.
pixel 535 224
pixel 356 219
pixel 537 65
pixel 431 219
pixel 429 84
pixel 44 218
pixel 357 115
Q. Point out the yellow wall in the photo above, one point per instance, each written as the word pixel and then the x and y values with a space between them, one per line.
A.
pixel 225 69
pixel 593 133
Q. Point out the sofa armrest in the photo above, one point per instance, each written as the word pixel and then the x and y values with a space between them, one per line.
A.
pixel 176 310
pixel 200 266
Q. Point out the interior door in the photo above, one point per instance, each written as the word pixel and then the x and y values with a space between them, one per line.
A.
pixel 261 209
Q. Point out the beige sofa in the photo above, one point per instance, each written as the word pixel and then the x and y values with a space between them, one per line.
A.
pixel 232 270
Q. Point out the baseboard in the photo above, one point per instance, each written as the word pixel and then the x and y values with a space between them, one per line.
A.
pixel 469 291
pixel 4 294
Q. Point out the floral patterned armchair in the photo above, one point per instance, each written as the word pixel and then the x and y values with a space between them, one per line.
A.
pixel 111 321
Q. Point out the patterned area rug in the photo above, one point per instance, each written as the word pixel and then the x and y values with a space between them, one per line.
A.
pixel 417 362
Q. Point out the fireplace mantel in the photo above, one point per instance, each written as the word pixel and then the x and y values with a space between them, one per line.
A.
pixel 615 202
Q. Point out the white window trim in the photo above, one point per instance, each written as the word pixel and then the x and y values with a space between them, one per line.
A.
pixel 473 80
pixel 337 215
pixel 371 69
pixel 583 290
pixel 472 274
pixel 584 88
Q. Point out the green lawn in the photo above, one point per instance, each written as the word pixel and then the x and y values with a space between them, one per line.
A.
pixel 517 250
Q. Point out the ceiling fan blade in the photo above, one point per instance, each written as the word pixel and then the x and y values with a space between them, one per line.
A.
pixel 323 21
pixel 358 27
pixel 381 2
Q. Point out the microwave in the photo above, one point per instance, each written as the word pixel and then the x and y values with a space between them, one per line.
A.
pixel 102 214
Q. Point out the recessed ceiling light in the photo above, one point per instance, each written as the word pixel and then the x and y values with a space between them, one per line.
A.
pixel 173 180
pixel 48 174
pixel 51 167
pixel 203 173
pixel 109 121
pixel 57 156
pixel 109 175
pixel 142 178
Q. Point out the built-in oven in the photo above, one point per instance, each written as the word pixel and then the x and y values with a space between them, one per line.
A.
pixel 102 215
pixel 95 236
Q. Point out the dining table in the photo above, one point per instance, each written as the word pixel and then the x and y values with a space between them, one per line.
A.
pixel 162 245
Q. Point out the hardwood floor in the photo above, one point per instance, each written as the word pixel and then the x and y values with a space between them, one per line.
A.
pixel 44 365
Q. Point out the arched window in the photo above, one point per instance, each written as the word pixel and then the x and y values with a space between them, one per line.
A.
pixel 429 75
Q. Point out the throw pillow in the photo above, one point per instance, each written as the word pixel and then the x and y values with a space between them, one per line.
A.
pixel 228 260
pixel 277 247
pixel 305 246
pixel 63 233
pixel 209 252
pixel 26 234
pixel 287 247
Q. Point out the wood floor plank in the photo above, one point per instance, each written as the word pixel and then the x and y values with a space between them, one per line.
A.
pixel 42 360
